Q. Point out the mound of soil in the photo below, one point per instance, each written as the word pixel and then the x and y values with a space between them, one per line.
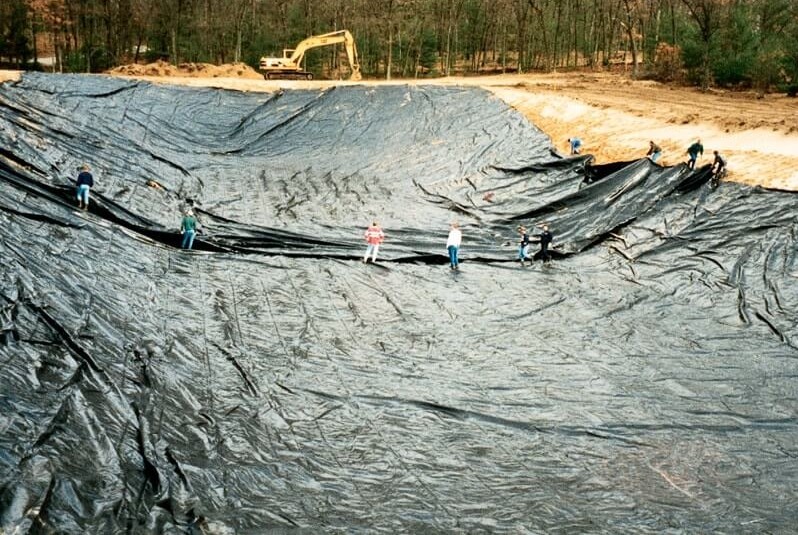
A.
pixel 192 70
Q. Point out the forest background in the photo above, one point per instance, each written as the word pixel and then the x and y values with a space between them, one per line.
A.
pixel 728 43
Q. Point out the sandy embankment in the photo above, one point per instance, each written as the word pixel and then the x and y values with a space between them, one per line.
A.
pixel 9 75
pixel 614 116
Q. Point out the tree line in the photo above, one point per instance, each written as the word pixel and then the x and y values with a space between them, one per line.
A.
pixel 747 43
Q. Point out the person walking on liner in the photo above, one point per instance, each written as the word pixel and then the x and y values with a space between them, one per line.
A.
pixel 374 237
pixel 694 151
pixel 654 151
pixel 523 246
pixel 188 228
pixel 453 245
pixel 84 184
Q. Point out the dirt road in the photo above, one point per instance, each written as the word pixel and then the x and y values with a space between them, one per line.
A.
pixel 616 117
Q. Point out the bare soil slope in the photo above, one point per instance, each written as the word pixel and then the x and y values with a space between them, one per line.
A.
pixel 614 116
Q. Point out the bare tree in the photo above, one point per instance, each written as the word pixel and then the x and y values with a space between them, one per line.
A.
pixel 629 25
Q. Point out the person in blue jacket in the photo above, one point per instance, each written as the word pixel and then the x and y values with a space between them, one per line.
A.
pixel 84 184
pixel 576 145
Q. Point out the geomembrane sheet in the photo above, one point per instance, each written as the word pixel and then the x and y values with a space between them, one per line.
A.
pixel 643 381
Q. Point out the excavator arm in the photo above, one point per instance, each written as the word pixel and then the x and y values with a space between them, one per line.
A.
pixel 351 53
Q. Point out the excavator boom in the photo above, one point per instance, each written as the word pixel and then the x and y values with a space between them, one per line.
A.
pixel 291 62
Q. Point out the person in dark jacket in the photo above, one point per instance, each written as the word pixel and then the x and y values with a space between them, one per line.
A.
pixel 694 151
pixel 718 164
pixel 545 239
pixel 84 184
pixel 188 228
pixel 523 246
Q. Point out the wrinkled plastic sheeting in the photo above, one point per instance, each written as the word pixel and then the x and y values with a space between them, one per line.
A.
pixel 643 381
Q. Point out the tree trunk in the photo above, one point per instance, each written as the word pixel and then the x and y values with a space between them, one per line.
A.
pixel 448 42
pixel 629 26
pixel 139 41
pixel 557 34
pixel 674 38
pixel 390 55
pixel 33 34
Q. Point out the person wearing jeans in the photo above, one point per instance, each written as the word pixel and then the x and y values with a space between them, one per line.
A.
pixel 188 228
pixel 453 245
pixel 84 183
pixel 694 151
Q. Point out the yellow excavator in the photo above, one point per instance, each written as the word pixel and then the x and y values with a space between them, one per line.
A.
pixel 290 65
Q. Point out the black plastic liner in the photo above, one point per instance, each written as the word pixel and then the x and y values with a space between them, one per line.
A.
pixel 643 381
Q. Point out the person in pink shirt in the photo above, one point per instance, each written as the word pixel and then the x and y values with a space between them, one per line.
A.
pixel 374 237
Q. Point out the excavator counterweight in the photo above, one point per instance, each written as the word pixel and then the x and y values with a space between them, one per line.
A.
pixel 290 65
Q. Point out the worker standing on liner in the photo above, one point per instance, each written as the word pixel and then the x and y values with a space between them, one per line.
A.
pixel 694 151
pixel 718 169
pixel 545 239
pixel 188 228
pixel 374 237
pixel 453 245
pixel 523 246
pixel 84 184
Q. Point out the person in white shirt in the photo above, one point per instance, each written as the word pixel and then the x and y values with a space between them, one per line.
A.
pixel 453 244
